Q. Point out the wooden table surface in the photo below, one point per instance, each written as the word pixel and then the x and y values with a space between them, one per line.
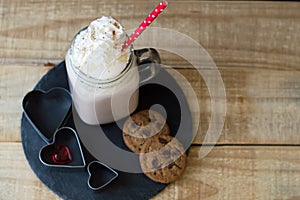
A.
pixel 256 46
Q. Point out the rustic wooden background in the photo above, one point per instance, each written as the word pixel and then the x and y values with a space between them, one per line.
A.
pixel 256 46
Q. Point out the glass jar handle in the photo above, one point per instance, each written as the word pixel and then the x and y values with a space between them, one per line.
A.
pixel 148 61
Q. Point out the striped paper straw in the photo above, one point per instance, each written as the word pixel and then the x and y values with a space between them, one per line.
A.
pixel 153 15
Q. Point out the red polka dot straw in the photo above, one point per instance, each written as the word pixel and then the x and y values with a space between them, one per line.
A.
pixel 153 15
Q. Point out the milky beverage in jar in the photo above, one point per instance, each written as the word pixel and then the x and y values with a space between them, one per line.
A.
pixel 98 70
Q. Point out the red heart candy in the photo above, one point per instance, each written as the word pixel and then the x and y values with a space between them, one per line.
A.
pixel 62 155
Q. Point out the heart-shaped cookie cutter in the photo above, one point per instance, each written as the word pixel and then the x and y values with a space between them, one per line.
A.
pixel 46 111
pixel 72 157
pixel 100 175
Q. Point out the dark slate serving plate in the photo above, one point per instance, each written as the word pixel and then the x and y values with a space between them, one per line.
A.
pixel 72 183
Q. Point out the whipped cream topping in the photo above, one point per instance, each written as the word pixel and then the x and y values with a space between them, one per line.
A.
pixel 97 50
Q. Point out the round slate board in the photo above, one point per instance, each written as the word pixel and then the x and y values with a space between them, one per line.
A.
pixel 72 183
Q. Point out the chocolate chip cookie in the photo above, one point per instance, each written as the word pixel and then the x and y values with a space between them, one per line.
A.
pixel 142 126
pixel 163 159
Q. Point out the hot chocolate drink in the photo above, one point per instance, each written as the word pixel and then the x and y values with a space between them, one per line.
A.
pixel 99 70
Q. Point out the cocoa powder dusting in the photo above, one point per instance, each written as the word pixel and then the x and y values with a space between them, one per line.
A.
pixel 114 34
pixel 116 25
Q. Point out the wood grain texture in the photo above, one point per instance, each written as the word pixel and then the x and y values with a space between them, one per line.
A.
pixel 226 173
pixel 255 46
pixel 17 180
pixel 262 105
pixel 15 82
pixel 236 34
pixel 239 173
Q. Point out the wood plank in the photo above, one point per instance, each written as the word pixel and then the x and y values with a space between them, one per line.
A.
pixel 15 82
pixel 239 173
pixel 17 180
pixel 263 106
pixel 259 34
pixel 226 173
